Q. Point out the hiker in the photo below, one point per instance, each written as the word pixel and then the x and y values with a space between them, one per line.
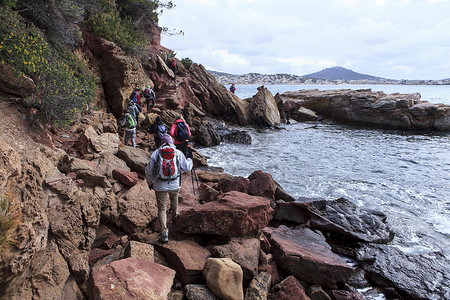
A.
pixel 174 67
pixel 134 110
pixel 128 121
pixel 232 88
pixel 181 133
pixel 136 97
pixel 163 174
pixel 158 129
pixel 150 96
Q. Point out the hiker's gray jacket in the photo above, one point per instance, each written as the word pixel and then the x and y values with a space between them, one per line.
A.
pixel 160 185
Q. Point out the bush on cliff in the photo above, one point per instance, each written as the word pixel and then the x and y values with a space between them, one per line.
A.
pixel 63 84
pixel 187 62
pixel 9 219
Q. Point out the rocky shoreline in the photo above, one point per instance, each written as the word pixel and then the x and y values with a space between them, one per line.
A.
pixel 89 228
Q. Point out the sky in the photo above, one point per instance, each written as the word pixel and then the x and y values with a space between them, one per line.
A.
pixel 395 39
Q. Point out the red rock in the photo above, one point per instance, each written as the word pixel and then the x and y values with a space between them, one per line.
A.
pixel 96 254
pixel 306 255
pixel 244 252
pixel 289 289
pixel 261 184
pixel 207 193
pixel 127 178
pixel 234 214
pixel 132 278
pixel 239 184
pixel 187 258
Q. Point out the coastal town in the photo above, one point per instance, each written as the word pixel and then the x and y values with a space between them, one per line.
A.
pixel 256 78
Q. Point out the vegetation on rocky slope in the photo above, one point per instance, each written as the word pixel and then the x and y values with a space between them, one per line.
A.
pixel 9 218
pixel 42 48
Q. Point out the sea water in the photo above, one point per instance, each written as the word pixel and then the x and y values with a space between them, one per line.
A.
pixel 404 174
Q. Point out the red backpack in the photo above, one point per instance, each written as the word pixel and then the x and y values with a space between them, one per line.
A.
pixel 167 167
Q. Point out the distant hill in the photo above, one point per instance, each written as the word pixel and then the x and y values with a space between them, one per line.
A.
pixel 340 73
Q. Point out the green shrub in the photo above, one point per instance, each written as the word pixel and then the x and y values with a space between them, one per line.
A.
pixel 9 220
pixel 109 25
pixel 64 85
pixel 169 55
pixel 21 46
pixel 9 3
pixel 187 62
pixel 64 92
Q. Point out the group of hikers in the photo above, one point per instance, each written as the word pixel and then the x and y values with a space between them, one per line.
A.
pixel 172 156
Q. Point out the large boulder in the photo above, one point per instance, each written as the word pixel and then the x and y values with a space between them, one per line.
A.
pixel 404 111
pixel 244 252
pixel 234 214
pixel 290 288
pixel 215 98
pixel 224 278
pixel 340 216
pixel 263 108
pixel 410 275
pixel 262 184
pixel 187 258
pixel 136 208
pixel 132 278
pixel 120 74
pixel 306 255
pixel 108 163
pixel 135 158
pixel 10 83
pixel 43 279
pixel 105 143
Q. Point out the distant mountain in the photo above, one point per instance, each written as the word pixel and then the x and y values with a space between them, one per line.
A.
pixel 340 73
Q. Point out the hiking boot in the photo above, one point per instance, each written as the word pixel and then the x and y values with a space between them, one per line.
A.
pixel 164 237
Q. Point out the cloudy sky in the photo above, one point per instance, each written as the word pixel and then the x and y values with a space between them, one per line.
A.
pixel 397 39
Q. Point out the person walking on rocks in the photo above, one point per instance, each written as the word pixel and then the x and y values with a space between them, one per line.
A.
pixel 174 67
pixel 134 110
pixel 150 96
pixel 158 129
pixel 127 121
pixel 163 174
pixel 232 88
pixel 181 133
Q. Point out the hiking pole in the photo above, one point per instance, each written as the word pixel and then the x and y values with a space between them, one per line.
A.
pixel 193 173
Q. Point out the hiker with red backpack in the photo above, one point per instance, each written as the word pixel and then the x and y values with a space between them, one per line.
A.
pixel 158 129
pixel 163 174
pixel 181 133
pixel 174 67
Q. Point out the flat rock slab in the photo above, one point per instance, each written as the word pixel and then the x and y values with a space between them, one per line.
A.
pixel 339 216
pixel 132 278
pixel 234 214
pixel 244 252
pixel 418 276
pixel 187 258
pixel 306 255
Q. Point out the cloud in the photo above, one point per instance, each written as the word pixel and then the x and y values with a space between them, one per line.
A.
pixel 395 39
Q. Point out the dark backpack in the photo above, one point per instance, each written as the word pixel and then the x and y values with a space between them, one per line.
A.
pixel 182 132
pixel 160 131
pixel 135 97
pixel 123 120
pixel 166 166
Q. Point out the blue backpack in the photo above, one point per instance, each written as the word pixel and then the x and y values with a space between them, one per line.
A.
pixel 182 132
pixel 161 130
